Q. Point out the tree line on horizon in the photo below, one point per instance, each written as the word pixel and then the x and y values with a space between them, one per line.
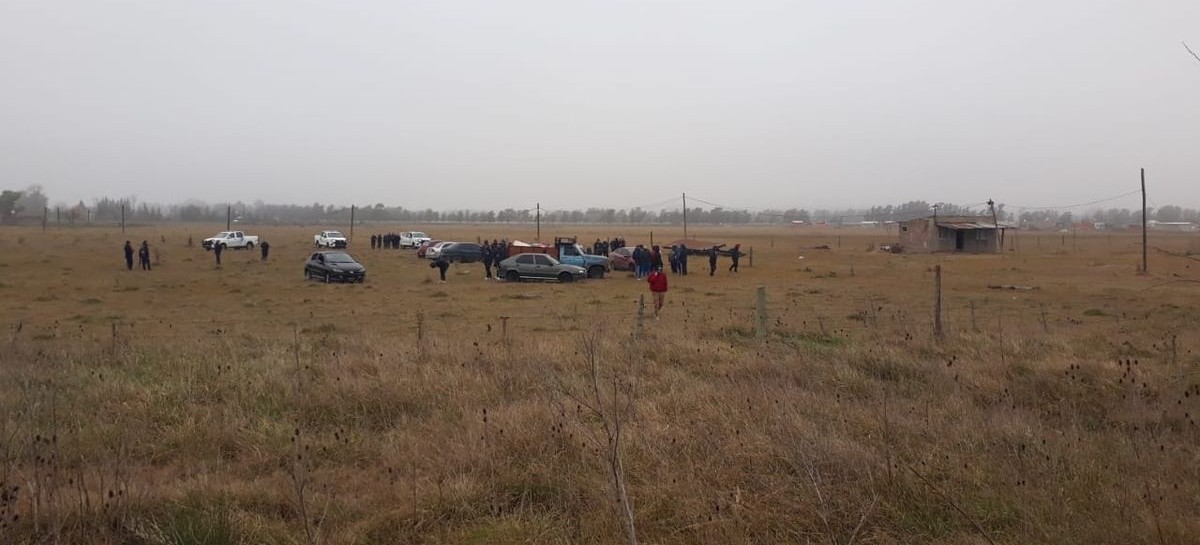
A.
pixel 29 205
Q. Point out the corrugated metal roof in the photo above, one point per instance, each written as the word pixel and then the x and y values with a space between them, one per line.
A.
pixel 966 225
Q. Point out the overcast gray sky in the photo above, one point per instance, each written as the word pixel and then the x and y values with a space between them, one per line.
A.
pixel 490 104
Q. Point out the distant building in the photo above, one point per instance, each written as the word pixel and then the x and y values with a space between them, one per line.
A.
pixel 1177 226
pixel 977 234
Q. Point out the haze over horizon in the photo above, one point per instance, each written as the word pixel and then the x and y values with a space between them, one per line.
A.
pixel 486 105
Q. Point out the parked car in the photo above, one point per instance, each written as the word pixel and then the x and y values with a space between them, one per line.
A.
pixel 413 239
pixel 566 250
pixel 330 239
pixel 621 259
pixel 334 266
pixel 538 267
pixel 434 251
pixel 461 252
pixel 423 249
pixel 230 240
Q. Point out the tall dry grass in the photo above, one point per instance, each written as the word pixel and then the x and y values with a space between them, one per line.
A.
pixel 242 418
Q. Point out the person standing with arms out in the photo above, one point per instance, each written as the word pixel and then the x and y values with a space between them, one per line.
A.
pixel 144 256
pixel 266 249
pixel 734 254
pixel 658 288
pixel 712 261
pixel 217 249
pixel 128 255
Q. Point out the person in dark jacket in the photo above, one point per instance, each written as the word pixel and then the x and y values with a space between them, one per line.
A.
pixel 712 261
pixel 734 254
pixel 487 260
pixel 144 256
pixel 266 249
pixel 128 255
pixel 373 240
pixel 681 256
pixel 656 260
pixel 217 249
pixel 442 265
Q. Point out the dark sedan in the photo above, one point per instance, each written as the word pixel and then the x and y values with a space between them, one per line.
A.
pixel 461 252
pixel 334 266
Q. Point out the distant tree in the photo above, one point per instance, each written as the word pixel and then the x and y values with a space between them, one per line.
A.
pixel 1169 213
pixel 32 201
pixel 9 207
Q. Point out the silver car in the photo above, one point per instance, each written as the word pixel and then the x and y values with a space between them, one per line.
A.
pixel 538 267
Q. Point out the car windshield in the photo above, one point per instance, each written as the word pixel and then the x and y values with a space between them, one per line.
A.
pixel 339 258
pixel 553 262
pixel 419 235
pixel 334 234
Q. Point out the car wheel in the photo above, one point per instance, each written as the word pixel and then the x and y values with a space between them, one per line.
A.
pixel 513 276
pixel 307 275
pixel 565 277
pixel 596 272
pixel 249 245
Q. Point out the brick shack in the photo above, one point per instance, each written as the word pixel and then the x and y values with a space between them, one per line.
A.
pixel 976 234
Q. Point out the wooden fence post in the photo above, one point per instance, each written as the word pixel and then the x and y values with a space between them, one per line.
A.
pixel 641 315
pixel 937 302
pixel 760 329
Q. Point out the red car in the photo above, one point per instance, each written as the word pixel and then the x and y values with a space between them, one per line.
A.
pixel 621 259
pixel 425 246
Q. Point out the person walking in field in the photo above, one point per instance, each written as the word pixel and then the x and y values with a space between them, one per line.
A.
pixel 442 265
pixel 681 256
pixel 712 261
pixel 144 256
pixel 128 255
pixel 217 249
pixel 266 249
pixel 487 260
pixel 656 260
pixel 734 254
pixel 658 288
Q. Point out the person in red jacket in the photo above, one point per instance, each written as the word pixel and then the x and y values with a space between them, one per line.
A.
pixel 658 288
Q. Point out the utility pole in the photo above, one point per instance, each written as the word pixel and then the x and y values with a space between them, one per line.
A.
pixel 45 212
pixel 352 222
pixel 1145 269
pixel 539 223
pixel 992 205
pixel 228 217
pixel 937 233
pixel 685 216
pixel 122 217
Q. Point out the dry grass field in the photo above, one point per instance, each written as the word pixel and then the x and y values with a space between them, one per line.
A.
pixel 200 405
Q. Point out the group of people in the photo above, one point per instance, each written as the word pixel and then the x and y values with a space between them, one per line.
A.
pixel 646 261
pixel 390 241
pixel 603 247
pixel 143 254
pixel 735 254
pixel 493 253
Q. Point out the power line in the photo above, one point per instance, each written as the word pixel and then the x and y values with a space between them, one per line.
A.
pixel 1078 205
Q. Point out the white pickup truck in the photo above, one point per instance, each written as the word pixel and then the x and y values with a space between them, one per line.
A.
pixel 330 239
pixel 413 239
pixel 230 240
